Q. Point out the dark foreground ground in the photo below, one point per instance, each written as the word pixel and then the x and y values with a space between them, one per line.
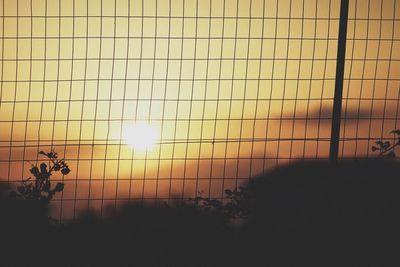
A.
pixel 306 214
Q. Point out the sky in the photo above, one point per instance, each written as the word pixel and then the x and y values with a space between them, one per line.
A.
pixel 223 89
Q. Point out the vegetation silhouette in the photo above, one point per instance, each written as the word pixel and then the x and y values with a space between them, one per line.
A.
pixel 41 189
pixel 310 213
pixel 386 148
pixel 29 204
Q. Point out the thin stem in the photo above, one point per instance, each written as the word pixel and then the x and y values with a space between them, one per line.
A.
pixel 383 152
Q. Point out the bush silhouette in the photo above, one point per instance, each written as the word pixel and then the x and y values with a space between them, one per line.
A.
pixel 29 204
pixel 40 189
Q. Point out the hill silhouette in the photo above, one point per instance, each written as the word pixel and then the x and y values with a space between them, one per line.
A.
pixel 305 214
pixel 336 215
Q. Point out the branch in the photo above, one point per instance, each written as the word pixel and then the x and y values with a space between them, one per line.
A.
pixel 388 149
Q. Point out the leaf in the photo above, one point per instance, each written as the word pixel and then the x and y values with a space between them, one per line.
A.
pixel 65 170
pixel 57 167
pixel 43 168
pixel 395 132
pixel 52 155
pixel 374 148
pixel 34 170
pixel 59 187
pixel 42 153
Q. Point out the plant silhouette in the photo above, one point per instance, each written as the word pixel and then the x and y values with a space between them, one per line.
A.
pixel 40 189
pixel 238 202
pixel 386 148
pixel 235 205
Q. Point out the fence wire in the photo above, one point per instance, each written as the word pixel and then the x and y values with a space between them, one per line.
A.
pixel 219 91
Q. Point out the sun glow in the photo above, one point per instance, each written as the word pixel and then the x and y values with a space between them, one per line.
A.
pixel 140 136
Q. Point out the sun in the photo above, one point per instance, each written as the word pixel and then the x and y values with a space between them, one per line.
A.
pixel 140 136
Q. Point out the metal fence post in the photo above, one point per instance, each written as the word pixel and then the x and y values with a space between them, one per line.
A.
pixel 340 63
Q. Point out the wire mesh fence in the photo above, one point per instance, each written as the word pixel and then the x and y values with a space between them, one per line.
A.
pixel 155 100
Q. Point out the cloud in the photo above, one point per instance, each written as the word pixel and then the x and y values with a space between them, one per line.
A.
pixel 350 113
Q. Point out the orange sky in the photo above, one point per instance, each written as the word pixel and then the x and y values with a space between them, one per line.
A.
pixel 73 77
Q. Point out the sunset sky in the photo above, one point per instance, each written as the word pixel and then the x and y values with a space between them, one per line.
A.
pixel 221 90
